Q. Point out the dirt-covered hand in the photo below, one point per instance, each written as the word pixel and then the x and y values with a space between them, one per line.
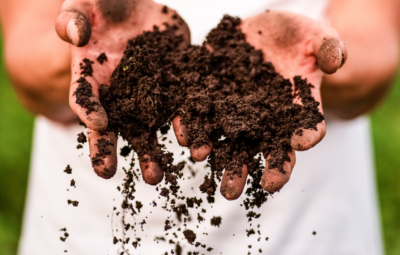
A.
pixel 93 27
pixel 297 46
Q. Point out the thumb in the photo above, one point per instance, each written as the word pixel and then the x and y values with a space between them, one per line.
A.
pixel 332 54
pixel 73 27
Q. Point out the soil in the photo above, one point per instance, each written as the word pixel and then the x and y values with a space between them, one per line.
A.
pixel 216 221
pixel 68 170
pixel 73 202
pixel 229 97
pixel 82 138
pixel 189 235
pixel 101 58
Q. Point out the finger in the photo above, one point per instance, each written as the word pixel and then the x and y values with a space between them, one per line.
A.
pixel 305 139
pixel 180 132
pixel 151 171
pixel 201 153
pixel 103 152
pixel 272 179
pixel 73 27
pixel 84 101
pixel 232 184
pixel 332 54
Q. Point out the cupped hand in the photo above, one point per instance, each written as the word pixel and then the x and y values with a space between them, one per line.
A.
pixel 297 46
pixel 93 27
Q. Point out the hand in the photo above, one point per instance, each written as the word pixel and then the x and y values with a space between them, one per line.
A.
pixel 295 45
pixel 93 27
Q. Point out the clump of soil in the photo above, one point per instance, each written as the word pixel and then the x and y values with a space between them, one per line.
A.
pixel 82 138
pixel 189 235
pixel 65 235
pixel 101 58
pixel 230 97
pixel 216 221
pixel 68 169
pixel 73 202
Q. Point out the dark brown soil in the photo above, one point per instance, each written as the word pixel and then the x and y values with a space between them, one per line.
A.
pixel 82 138
pixel 83 94
pixel 189 235
pixel 101 58
pixel 216 221
pixel 104 148
pixel 73 202
pixel 86 67
pixel 68 170
pixel 230 97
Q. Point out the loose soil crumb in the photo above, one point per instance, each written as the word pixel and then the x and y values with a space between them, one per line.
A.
pixel 68 170
pixel 73 202
pixel 86 67
pixel 189 235
pixel 82 138
pixel 101 58
pixel 216 221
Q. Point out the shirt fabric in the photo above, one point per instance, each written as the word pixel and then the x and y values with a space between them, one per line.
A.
pixel 332 189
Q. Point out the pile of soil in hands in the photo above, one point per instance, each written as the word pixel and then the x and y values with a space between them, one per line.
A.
pixel 230 97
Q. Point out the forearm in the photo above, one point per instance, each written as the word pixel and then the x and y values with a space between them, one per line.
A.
pixel 37 61
pixel 370 31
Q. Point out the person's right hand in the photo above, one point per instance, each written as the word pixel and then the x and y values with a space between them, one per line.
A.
pixel 96 26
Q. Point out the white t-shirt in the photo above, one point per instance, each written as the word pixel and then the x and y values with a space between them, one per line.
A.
pixel 331 191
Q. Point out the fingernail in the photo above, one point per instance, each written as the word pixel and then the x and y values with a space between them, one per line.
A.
pixel 72 31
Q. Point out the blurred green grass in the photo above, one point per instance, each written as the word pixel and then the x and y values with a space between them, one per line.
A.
pixel 16 126
pixel 386 138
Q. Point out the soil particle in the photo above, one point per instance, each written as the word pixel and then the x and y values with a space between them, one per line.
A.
pixel 164 192
pixel 216 221
pixel 73 183
pixel 165 10
pixel 250 215
pixel 82 138
pixel 83 94
pixel 68 170
pixel 189 235
pixel 86 67
pixel 73 202
pixel 103 146
pixel 178 249
pixel 190 202
pixel 125 151
pixel 79 146
pixel 101 58
pixel 250 232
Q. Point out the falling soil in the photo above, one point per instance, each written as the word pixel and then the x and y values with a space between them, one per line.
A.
pixel 68 170
pixel 189 235
pixel 216 221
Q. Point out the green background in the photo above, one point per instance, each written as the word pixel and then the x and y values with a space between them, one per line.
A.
pixel 16 126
